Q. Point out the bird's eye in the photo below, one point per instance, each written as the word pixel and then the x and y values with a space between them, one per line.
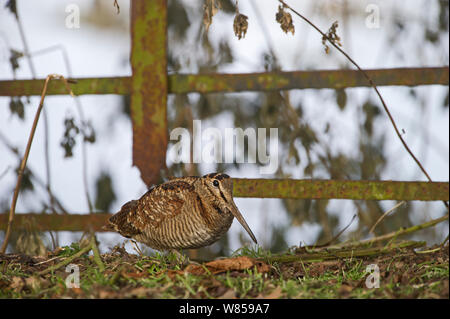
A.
pixel 216 183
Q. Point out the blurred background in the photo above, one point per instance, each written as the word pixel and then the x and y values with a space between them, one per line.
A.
pixel 85 146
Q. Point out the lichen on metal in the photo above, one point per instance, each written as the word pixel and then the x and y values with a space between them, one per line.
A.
pixel 336 189
pixel 212 83
pixel 57 222
pixel 80 86
pixel 335 79
pixel 149 86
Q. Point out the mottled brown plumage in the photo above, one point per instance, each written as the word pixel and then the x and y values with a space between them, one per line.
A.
pixel 183 213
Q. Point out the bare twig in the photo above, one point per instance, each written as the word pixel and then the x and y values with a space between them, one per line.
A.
pixel 444 242
pixel 33 175
pixel 46 126
pixel 332 240
pixel 97 257
pixel 25 157
pixel 325 36
pixel 405 231
pixel 66 261
pixel 46 129
pixel 384 215
pixel 341 252
pixel 136 248
pixel 428 251
pixel 48 260
pixel 79 108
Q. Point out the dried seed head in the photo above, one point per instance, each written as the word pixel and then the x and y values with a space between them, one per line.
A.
pixel 332 37
pixel 285 20
pixel 240 25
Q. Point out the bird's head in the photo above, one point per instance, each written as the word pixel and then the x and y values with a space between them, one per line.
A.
pixel 221 187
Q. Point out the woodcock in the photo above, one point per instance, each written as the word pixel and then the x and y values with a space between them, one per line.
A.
pixel 183 213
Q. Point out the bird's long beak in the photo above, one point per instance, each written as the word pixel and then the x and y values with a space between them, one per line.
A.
pixel 236 213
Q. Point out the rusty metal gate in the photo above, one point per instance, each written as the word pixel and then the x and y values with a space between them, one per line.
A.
pixel 150 84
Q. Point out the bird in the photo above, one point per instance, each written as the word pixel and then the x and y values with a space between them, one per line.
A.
pixel 183 213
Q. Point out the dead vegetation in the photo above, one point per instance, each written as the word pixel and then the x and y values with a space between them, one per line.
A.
pixel 302 272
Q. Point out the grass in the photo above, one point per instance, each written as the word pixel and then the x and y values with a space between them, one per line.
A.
pixel 298 273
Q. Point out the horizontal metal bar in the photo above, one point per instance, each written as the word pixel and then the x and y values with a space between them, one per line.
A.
pixel 56 222
pixel 211 83
pixel 116 85
pixel 340 189
pixel 263 188
pixel 333 79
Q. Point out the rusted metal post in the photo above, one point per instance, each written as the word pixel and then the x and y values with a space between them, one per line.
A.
pixel 149 86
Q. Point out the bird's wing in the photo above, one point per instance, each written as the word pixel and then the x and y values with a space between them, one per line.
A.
pixel 162 202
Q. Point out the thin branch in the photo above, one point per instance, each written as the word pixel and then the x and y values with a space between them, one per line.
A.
pixel 79 108
pixel 384 215
pixel 46 128
pixel 405 231
pixel 332 240
pixel 66 261
pixel 96 252
pixel 33 175
pixel 342 252
pixel 25 157
pixel 325 36
pixel 444 242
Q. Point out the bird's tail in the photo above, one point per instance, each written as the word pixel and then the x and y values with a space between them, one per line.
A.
pixel 120 222
pixel 109 226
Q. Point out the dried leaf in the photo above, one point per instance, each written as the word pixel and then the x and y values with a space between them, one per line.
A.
pixel 135 275
pixel 16 107
pixel 285 20
pixel 88 132
pixel 345 289
pixel 240 25
pixel 341 99
pixel 105 194
pixel 138 292
pixel 445 104
pixel 275 294
pixel 210 8
pixel 68 141
pixel 17 283
pixel 12 6
pixel 105 294
pixel 14 57
pixel 229 294
pixel 228 264
pixel 26 184
pixel 116 5
pixel 33 282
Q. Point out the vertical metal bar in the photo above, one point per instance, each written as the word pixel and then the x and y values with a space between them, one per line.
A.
pixel 149 86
